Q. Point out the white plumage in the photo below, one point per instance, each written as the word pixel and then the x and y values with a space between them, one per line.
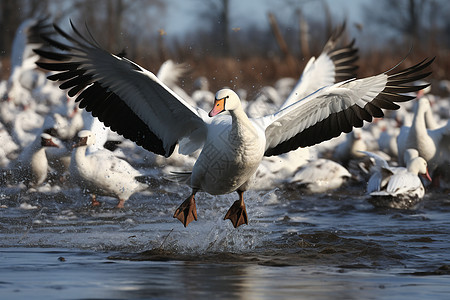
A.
pixel 320 176
pixel 31 167
pixel 397 187
pixel 103 173
pixel 433 144
pixel 334 64
pixel 142 108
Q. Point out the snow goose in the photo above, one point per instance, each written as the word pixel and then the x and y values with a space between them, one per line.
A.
pixel 267 101
pixel 27 124
pixel 277 170
pixel 103 173
pixel 334 64
pixel 59 157
pixel 31 167
pixel 170 73
pixel 320 176
pixel 433 145
pixel 387 140
pixel 135 103
pixel 24 77
pixel 8 149
pixel 201 95
pixel 350 148
pixel 397 187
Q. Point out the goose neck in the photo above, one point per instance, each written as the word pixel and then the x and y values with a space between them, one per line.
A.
pixel 79 153
pixel 419 120
pixel 242 130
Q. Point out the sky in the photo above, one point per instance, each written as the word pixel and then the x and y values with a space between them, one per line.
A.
pixel 182 15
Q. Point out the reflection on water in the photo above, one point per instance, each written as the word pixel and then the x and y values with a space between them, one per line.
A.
pixel 44 274
pixel 338 246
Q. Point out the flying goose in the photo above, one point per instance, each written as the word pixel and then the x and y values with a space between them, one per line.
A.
pixel 334 64
pixel 136 104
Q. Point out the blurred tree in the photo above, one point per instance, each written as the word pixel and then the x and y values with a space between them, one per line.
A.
pixel 216 16
pixel 414 20
pixel 112 20
pixel 12 14
pixel 9 22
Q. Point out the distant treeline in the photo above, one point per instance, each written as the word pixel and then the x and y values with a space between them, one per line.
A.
pixel 248 57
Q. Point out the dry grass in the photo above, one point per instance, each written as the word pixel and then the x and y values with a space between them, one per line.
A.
pixel 252 73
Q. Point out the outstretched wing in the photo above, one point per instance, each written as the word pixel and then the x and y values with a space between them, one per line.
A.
pixel 124 96
pixel 334 64
pixel 338 108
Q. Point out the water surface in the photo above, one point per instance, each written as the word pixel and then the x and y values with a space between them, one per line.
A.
pixel 337 245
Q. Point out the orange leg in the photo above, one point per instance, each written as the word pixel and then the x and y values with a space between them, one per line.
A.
pixel 237 213
pixel 187 211
pixel 94 200
pixel 121 203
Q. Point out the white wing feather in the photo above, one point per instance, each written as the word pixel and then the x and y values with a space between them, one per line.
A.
pixel 295 118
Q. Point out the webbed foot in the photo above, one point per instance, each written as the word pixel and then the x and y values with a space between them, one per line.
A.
pixel 187 211
pixel 237 214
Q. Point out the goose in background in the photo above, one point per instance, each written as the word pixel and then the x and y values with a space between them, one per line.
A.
pixel 319 176
pixel 116 89
pixel 275 171
pixel 334 64
pixel 201 95
pixel 24 76
pixel 397 187
pixel 170 73
pixel 284 86
pixel 267 101
pixel 26 125
pixel 433 144
pixel 59 158
pixel 387 140
pixel 67 126
pixel 351 147
pixel 31 167
pixel 9 148
pixel 103 173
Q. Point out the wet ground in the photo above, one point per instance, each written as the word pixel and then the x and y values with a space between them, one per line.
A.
pixel 54 245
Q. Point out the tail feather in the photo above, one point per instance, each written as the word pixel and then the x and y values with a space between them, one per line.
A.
pixel 179 177
pixel 150 180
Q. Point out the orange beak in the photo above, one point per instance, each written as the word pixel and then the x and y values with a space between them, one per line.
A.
pixel 219 106
pixel 427 176
pixel 79 141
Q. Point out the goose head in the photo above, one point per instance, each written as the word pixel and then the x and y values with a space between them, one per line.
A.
pixel 225 100
pixel 47 141
pixel 85 138
pixel 418 165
